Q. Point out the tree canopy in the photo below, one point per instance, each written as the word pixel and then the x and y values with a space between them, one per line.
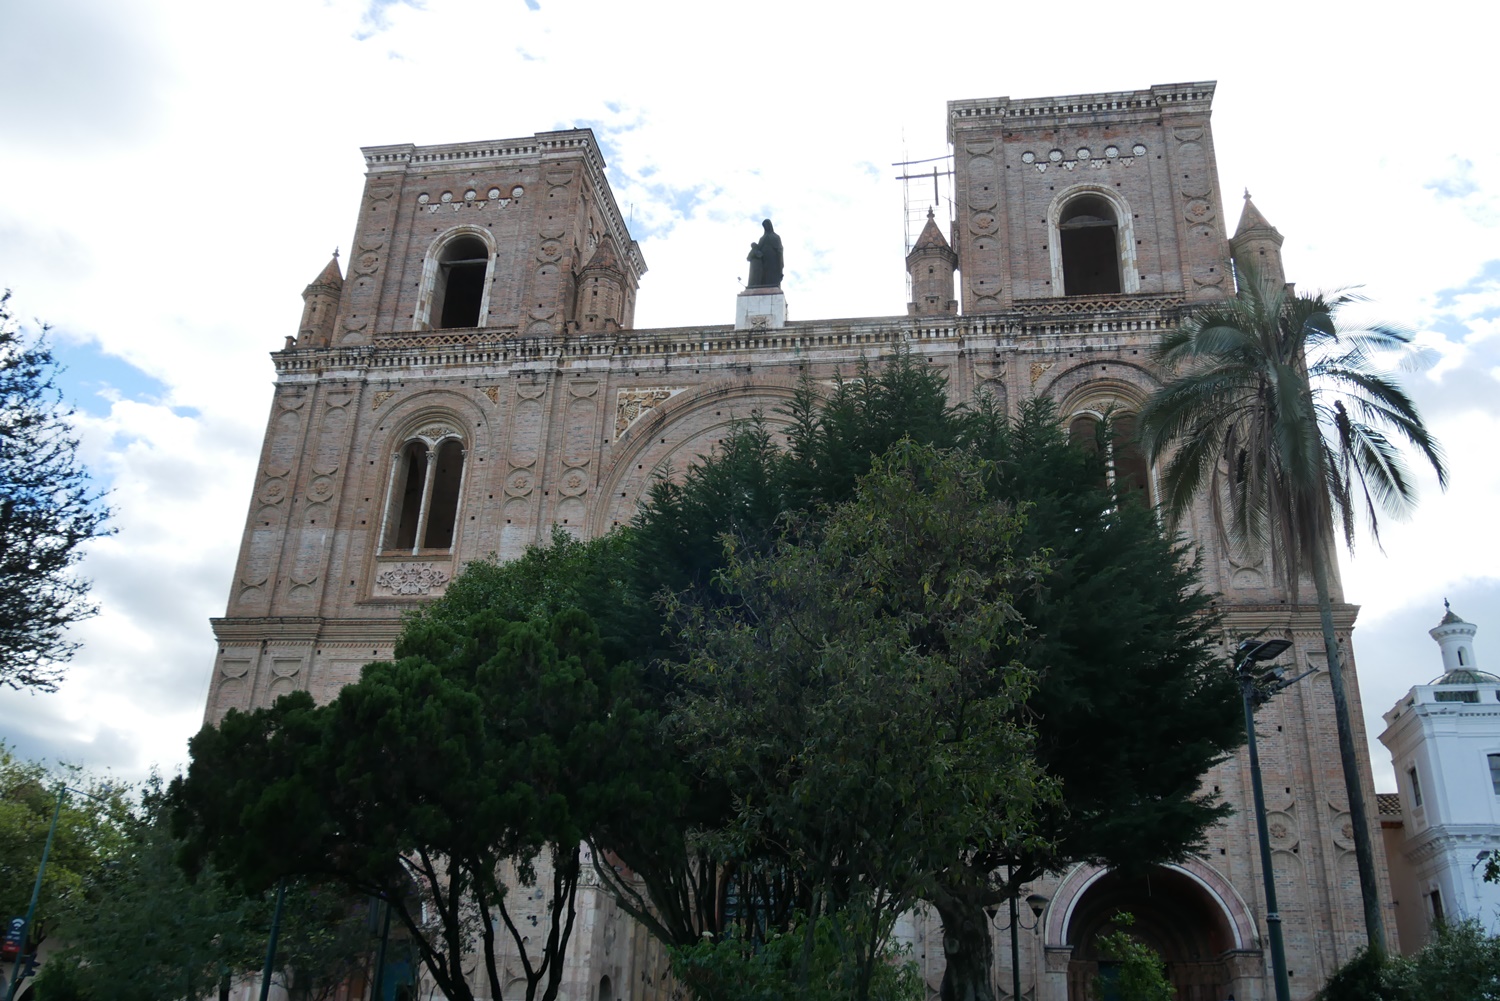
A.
pixel 445 781
pixel 48 509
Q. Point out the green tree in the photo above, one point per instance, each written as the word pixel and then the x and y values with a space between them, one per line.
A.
pixel 135 928
pixel 1119 621
pixel 138 930
pixel 1459 963
pixel 458 780
pixel 733 967
pixel 48 509
pixel 1283 418
pixel 1135 972
pixel 857 693
pixel 92 829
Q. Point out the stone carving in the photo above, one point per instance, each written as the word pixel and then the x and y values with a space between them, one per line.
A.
pixel 574 482
pixel 519 483
pixel 411 578
pixel 379 398
pixel 630 404
pixel 434 433
pixel 273 491
pixel 493 392
pixel 320 489
pixel 765 260
pixel 1038 369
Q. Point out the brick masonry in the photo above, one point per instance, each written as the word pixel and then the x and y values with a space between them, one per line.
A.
pixel 566 414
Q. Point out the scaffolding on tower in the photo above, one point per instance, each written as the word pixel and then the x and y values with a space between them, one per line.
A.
pixel 925 184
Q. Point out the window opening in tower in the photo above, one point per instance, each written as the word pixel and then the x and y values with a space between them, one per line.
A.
pixel 1089 238
pixel 461 274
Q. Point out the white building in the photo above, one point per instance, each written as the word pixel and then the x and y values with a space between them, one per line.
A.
pixel 1444 820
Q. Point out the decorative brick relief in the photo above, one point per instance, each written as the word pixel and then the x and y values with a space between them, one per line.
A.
pixel 632 404
pixel 520 482
pixel 526 427
pixel 234 685
pixel 366 257
pixel 1039 369
pixel 379 399
pixel 581 417
pixel 410 579
pixel 287 436
pixel 284 671
pixel 491 392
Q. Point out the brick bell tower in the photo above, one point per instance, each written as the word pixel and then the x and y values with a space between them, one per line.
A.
pixel 388 415
pixel 1093 195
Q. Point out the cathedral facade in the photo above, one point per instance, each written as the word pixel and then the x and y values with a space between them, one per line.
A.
pixel 476 380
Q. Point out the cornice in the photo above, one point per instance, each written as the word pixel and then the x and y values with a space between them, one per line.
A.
pixel 1042 325
pixel 1116 106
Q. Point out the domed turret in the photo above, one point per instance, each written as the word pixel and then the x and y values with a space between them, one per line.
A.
pixel 1456 639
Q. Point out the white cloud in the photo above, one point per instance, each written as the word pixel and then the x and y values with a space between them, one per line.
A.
pixel 180 170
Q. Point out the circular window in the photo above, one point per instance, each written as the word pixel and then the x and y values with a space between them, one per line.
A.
pixel 470 195
pixel 1083 153
pixel 1111 151
pixel 1028 157
pixel 517 191
pixel 447 197
pixel 1055 155
pixel 494 193
pixel 423 198
pixel 1138 150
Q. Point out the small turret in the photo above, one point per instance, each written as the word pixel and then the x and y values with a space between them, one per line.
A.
pixel 1455 638
pixel 601 290
pixel 1256 245
pixel 320 305
pixel 931 264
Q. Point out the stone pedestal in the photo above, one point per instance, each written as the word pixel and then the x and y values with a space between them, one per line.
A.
pixel 760 309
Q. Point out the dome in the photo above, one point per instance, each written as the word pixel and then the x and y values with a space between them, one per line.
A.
pixel 1466 676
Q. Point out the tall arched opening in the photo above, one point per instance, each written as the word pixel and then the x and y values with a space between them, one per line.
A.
pixel 1173 914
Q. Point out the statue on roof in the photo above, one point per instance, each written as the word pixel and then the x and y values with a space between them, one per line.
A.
pixel 765 260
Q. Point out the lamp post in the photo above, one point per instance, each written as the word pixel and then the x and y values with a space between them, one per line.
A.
pixel 1037 903
pixel 36 892
pixel 1255 690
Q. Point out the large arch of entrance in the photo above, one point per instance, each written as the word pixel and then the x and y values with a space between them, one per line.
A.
pixel 1188 913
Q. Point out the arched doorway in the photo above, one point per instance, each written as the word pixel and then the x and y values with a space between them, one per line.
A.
pixel 1173 915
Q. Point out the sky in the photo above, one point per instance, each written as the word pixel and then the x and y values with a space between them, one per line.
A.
pixel 174 172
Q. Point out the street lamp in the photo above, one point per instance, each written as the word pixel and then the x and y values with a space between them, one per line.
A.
pixel 1037 903
pixel 1255 690
pixel 36 889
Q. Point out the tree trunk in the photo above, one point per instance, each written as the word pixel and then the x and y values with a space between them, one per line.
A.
pixel 968 950
pixel 1359 818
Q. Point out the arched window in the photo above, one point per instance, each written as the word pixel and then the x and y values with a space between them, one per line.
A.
pixel 1088 232
pixel 1092 242
pixel 1125 464
pixel 455 282
pixel 422 508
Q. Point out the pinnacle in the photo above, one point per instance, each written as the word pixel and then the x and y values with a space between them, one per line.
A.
pixel 605 256
pixel 330 275
pixel 931 236
pixel 1251 219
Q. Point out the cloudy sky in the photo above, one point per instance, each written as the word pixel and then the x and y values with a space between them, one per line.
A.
pixel 174 172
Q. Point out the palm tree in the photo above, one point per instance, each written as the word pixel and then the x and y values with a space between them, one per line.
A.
pixel 1289 424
